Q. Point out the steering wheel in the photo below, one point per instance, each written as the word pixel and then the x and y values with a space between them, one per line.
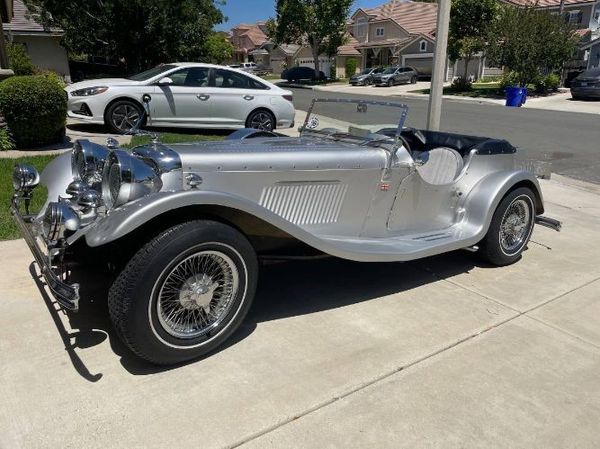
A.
pixel 417 134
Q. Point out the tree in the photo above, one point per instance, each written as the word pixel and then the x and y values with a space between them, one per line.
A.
pixel 530 42
pixel 19 61
pixel 321 24
pixel 141 32
pixel 218 48
pixel 470 23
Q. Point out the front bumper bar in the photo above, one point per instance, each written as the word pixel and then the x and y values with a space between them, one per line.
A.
pixel 67 295
pixel 548 222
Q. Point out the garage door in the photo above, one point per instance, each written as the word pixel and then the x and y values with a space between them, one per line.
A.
pixel 423 65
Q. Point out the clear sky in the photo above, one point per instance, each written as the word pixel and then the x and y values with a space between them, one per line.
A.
pixel 249 11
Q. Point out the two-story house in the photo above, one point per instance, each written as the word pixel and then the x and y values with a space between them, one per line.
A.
pixel 246 38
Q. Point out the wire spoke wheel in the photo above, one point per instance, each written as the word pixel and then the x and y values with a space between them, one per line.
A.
pixel 197 294
pixel 515 225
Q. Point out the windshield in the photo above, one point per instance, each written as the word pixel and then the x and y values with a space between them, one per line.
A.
pixel 592 73
pixel 152 72
pixel 357 121
pixel 366 71
pixel 389 70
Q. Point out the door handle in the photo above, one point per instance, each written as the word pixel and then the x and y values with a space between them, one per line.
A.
pixel 203 97
pixel 248 97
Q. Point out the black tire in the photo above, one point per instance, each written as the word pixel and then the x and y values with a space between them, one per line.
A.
pixel 119 124
pixel 413 80
pixel 261 119
pixel 390 83
pixel 138 306
pixel 493 248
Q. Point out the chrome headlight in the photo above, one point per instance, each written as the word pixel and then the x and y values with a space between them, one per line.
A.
pixel 127 178
pixel 25 177
pixel 88 91
pixel 59 218
pixel 87 161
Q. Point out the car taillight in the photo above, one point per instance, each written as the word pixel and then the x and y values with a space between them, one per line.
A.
pixel 288 97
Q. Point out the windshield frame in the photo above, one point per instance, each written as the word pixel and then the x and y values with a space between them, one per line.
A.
pixel 403 114
pixel 165 68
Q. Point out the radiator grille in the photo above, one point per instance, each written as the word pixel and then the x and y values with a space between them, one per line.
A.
pixel 305 203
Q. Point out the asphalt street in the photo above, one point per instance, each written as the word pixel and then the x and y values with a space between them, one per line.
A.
pixel 571 141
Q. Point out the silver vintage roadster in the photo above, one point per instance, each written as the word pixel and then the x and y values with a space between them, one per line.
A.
pixel 187 224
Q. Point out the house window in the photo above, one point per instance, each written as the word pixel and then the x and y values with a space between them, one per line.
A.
pixel 423 46
pixel 360 27
pixel 380 32
pixel 574 17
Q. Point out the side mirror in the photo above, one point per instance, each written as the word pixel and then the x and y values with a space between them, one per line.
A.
pixel 166 81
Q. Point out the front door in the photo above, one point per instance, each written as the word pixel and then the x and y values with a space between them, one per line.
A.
pixel 185 101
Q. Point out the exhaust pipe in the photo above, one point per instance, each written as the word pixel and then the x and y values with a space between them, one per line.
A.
pixel 548 222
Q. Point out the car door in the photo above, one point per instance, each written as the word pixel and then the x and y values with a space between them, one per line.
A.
pixel 234 96
pixel 398 76
pixel 185 101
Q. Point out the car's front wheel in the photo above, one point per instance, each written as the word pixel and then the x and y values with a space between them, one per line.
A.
pixel 185 292
pixel 122 116
pixel 510 229
pixel 390 83
pixel 261 119
pixel 413 80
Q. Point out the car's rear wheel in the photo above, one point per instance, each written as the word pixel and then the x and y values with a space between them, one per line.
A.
pixel 185 292
pixel 261 119
pixel 122 116
pixel 510 229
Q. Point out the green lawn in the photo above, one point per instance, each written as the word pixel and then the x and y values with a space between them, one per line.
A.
pixel 480 90
pixel 8 229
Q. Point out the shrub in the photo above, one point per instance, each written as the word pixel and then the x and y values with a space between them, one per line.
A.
pixel 19 61
pixel 461 84
pixel 35 109
pixel 549 83
pixel 509 79
pixel 6 141
pixel 351 64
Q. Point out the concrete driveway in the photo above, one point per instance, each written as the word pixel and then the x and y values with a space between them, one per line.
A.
pixel 442 352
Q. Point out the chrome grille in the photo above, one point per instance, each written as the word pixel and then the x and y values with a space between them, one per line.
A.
pixel 305 203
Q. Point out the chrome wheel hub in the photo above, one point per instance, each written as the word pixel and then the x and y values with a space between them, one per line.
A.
pixel 197 294
pixel 515 225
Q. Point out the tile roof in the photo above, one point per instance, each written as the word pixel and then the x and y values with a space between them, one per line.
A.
pixel 21 23
pixel 386 43
pixel 414 17
pixel 290 49
pixel 252 32
pixel 547 3
pixel 349 48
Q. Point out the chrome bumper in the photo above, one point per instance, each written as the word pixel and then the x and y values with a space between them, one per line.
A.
pixel 67 295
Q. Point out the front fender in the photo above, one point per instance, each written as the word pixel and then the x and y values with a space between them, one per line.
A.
pixel 123 220
pixel 57 175
pixel 483 200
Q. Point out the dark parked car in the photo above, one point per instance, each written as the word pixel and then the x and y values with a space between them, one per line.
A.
pixel 587 85
pixel 395 75
pixel 302 73
pixel 365 78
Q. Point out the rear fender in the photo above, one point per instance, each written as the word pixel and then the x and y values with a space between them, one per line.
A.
pixel 483 200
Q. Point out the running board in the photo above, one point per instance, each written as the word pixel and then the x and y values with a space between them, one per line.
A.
pixel 548 222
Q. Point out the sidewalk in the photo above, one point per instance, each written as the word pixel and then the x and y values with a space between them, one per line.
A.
pixel 438 353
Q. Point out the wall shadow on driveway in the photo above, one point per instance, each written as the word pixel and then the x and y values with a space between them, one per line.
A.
pixel 286 289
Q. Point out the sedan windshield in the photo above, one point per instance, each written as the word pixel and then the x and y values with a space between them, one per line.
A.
pixel 592 73
pixel 389 70
pixel 366 71
pixel 152 72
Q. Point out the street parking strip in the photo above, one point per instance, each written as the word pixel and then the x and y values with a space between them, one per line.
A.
pixel 442 352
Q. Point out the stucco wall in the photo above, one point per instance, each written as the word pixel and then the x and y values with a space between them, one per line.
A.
pixel 391 31
pixel 46 53
pixel 415 47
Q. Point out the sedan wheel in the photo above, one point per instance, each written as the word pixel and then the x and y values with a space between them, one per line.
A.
pixel 390 83
pixel 262 120
pixel 185 292
pixel 510 228
pixel 413 80
pixel 122 116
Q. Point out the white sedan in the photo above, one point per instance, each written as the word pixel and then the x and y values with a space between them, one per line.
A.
pixel 183 95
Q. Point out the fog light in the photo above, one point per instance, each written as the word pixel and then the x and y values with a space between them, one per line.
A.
pixel 76 188
pixel 25 178
pixel 59 218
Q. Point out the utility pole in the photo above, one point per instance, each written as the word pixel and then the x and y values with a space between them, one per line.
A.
pixel 439 66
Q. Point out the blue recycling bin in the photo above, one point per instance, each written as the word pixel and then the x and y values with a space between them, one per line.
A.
pixel 516 96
